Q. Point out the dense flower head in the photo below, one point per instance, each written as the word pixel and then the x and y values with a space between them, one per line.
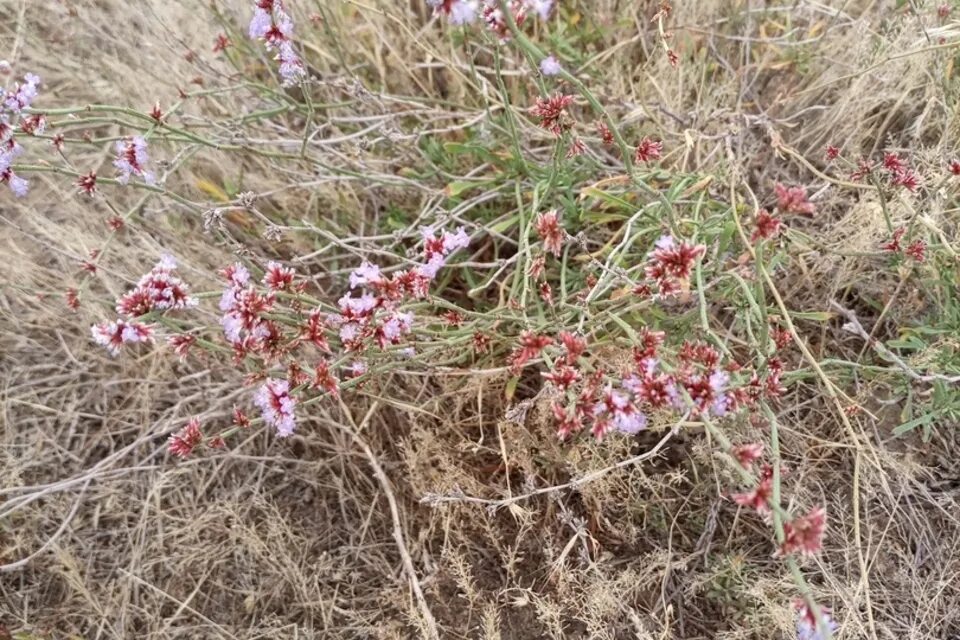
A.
pixel 916 250
pixel 832 152
pixel 277 405
pixel 183 442
pixel 553 113
pixel 88 183
pixel 159 289
pixel 278 277
pixel 671 263
pixel 549 229
pixel 793 200
pixel 766 226
pixel 804 534
pixel 648 149
pixel 132 160
pixel 113 335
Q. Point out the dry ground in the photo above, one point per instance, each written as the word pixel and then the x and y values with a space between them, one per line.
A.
pixel 296 539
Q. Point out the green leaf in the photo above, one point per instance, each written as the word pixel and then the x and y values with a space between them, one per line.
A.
pixel 907 427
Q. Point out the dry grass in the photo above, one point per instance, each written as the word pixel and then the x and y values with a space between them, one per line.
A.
pixel 290 539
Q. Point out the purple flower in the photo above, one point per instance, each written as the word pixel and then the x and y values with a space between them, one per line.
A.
pixel 365 274
pixel 277 405
pixel 463 12
pixel 550 67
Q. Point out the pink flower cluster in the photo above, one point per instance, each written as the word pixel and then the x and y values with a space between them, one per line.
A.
pixel 895 169
pixel 605 401
pixel 244 321
pixel 159 290
pixel 460 12
pixel 670 264
pixel 374 318
pixel 276 405
pixel 273 25
pixel 12 104
pixel 916 250
pixel 132 160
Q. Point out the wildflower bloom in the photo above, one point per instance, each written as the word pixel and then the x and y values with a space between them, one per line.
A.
pixel 899 173
pixel 955 167
pixel 481 342
pixel 22 95
pixel 832 152
pixel 647 150
pixel 804 534
pixel 793 200
pixel 553 114
pixel 113 335
pixel 550 67
pixel 132 160
pixel 181 344
pixel 240 418
pixel 573 346
pixel 577 148
pixel 33 125
pixel 115 223
pixel 458 12
pixel 747 454
pixel 916 250
pixel 366 274
pixel 671 263
pixel 493 17
pixel 158 289
pixel 759 497
pixel 808 626
pixel 182 443
pixel 549 229
pixel 323 378
pixel 157 113
pixel 606 136
pixel 277 405
pixel 864 168
pixel 88 183
pixel 766 226
pixel 529 348
pixel 893 245
pixel 278 277
pixel 18 185
pixel 221 43
pixel 273 25
pixel 563 377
